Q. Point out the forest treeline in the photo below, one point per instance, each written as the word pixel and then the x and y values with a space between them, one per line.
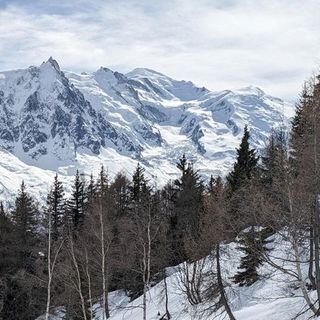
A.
pixel 122 233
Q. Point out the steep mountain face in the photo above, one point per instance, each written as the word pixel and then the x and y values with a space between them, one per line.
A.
pixel 43 114
pixel 59 121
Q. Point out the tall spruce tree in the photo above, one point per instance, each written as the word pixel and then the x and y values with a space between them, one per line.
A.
pixel 26 297
pixel 245 164
pixel 140 195
pixel 7 253
pixel 254 244
pixel 56 207
pixel 77 202
pixel 24 218
pixel 139 186
pixel 239 183
pixel 189 206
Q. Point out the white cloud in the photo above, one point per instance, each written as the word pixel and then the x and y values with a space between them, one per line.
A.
pixel 219 44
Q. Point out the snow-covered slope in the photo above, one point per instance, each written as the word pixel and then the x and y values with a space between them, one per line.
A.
pixel 276 295
pixel 60 121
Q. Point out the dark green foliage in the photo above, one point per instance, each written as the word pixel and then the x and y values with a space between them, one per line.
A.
pixel 245 164
pixel 274 158
pixel 7 257
pixel 24 217
pixel 189 197
pixel 24 298
pixel 188 209
pixel 139 186
pixel 56 208
pixel 91 189
pixel 77 202
pixel 254 245
pixel 120 193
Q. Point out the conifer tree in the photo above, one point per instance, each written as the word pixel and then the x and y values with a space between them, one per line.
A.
pixel 239 185
pixel 77 202
pixel 26 299
pixel 7 254
pixel 102 185
pixel 139 188
pixel 189 206
pixel 56 207
pixel 274 158
pixel 254 244
pixel 120 192
pixel 24 217
pixel 245 164
pixel 91 189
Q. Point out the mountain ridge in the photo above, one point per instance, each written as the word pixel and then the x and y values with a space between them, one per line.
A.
pixel 59 121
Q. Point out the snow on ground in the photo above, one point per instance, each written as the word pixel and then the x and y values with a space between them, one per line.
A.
pixel 275 296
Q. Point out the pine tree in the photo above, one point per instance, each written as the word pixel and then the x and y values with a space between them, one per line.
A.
pixel 102 186
pixel 26 298
pixel 7 254
pixel 56 207
pixel 120 192
pixel 245 164
pixel 254 244
pixel 139 188
pixel 25 227
pixel 91 189
pixel 274 158
pixel 77 202
pixel 189 206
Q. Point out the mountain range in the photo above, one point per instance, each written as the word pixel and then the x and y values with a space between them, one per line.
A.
pixel 60 121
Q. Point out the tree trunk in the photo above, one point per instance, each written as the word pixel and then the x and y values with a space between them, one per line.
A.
pixel 316 247
pixel 79 281
pixel 166 296
pixel 220 285
pixel 311 257
pixel 89 284
pixel 49 269
pixel 105 305
pixel 300 278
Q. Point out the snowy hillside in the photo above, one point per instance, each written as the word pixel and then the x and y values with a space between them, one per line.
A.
pixel 275 296
pixel 53 121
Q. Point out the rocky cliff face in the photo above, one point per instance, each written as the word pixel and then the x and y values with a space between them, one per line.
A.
pixel 60 121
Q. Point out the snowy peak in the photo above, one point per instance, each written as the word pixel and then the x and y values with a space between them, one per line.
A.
pixel 60 120
pixel 51 63
pixel 170 88
pixel 145 73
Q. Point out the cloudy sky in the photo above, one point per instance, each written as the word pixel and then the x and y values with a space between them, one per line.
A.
pixel 220 44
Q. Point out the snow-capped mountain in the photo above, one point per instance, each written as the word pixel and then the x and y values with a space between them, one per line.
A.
pixel 54 121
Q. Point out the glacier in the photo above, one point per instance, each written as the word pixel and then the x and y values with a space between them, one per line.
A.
pixel 60 121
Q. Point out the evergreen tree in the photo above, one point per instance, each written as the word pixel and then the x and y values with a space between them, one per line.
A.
pixel 102 186
pixel 245 164
pixel 274 158
pixel 139 188
pixel 189 206
pixel 91 189
pixel 77 202
pixel 56 207
pixel 120 193
pixel 25 299
pixel 140 196
pixel 254 244
pixel 25 228
pixel 7 254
